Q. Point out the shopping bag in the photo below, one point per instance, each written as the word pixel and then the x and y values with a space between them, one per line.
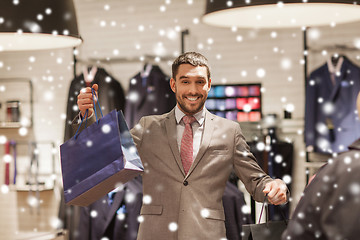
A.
pixel 264 231
pixel 270 230
pixel 100 158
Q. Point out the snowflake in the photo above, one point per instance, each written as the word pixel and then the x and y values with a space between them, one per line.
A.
pixel 347 160
pixel 106 128
pixel 130 197
pixel 140 219
pixel 354 188
pixel 205 213
pixel 147 199
pixel 173 226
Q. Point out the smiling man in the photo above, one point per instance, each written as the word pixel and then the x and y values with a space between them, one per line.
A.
pixel 191 88
pixel 188 155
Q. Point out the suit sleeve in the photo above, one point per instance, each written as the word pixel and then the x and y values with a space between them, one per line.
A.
pixel 310 112
pixel 137 132
pixel 76 123
pixel 247 168
pixel 84 228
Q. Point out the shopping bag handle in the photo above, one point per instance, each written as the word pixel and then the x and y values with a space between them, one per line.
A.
pixel 93 93
pixel 267 216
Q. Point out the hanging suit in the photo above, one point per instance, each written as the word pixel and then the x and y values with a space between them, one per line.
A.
pixel 118 221
pixel 331 121
pixel 266 160
pixel 111 96
pixel 148 95
pixel 235 216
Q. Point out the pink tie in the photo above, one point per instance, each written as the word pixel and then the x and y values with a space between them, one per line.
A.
pixel 186 151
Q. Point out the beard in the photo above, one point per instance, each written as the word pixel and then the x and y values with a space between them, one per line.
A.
pixel 189 108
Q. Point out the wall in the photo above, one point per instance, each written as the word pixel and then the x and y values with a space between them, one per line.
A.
pixel 134 28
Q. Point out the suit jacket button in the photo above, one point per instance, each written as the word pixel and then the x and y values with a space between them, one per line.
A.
pixel 185 183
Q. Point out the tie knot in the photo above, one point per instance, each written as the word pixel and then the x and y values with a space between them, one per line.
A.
pixel 188 119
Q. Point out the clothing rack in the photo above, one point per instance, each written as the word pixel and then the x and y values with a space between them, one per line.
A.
pixel 36 145
pixel 144 58
pixel 32 183
pixel 315 160
pixel 317 49
pixel 147 58
pixel 335 47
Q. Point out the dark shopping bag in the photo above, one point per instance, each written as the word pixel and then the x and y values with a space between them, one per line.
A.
pixel 98 159
pixel 270 230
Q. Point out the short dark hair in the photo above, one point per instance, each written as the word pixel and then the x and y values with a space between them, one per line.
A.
pixel 192 58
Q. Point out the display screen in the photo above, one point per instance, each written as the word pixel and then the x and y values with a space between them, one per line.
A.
pixel 238 102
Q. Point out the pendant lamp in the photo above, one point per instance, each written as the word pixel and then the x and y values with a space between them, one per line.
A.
pixel 38 25
pixel 280 14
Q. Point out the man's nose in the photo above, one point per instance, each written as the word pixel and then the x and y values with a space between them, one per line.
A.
pixel 192 88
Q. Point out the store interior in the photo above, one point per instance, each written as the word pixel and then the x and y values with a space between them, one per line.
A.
pixel 124 38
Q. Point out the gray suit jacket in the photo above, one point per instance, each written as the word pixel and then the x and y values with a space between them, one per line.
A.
pixel 184 207
pixel 190 206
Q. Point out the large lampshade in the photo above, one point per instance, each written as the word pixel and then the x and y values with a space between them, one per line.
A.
pixel 280 14
pixel 37 25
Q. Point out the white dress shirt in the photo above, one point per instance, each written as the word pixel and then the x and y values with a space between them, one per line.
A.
pixel 197 127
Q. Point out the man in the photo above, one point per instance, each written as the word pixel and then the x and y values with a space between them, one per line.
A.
pixel 187 165
pixel 330 205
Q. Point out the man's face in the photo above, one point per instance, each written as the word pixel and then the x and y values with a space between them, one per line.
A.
pixel 191 88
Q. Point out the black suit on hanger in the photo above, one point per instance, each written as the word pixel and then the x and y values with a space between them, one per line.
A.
pixel 276 169
pixel 332 101
pixel 148 95
pixel 111 96
pixel 119 221
pixel 233 202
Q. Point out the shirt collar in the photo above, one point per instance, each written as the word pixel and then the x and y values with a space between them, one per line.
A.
pixel 200 116
pixel 337 68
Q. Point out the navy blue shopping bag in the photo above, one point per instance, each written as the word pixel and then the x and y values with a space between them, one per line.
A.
pixel 98 159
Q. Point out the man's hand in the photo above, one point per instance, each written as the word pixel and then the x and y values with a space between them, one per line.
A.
pixel 85 100
pixel 276 191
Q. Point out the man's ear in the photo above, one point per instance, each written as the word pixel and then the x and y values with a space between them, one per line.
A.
pixel 209 84
pixel 172 84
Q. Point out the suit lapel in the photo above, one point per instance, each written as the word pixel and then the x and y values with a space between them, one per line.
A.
pixel 326 81
pixel 102 208
pixel 141 90
pixel 355 145
pixel 119 196
pixel 170 125
pixel 338 79
pixel 206 138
